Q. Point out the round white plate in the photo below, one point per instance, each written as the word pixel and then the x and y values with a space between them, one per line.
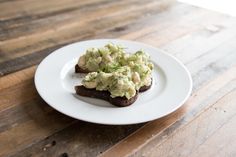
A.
pixel 55 80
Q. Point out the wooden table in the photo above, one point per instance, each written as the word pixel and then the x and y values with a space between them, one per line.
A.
pixel 203 40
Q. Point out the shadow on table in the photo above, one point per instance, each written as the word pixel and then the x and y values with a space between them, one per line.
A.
pixel 58 133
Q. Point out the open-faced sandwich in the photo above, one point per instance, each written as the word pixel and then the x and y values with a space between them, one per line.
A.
pixel 114 75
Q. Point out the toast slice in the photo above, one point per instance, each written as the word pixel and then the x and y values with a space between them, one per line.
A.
pixel 105 95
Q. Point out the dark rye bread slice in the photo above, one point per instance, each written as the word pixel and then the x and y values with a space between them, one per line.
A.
pixel 80 70
pixel 105 95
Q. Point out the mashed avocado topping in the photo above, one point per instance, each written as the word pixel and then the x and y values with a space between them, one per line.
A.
pixel 103 59
pixel 116 71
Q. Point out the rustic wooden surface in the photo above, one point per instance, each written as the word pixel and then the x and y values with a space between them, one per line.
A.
pixel 204 41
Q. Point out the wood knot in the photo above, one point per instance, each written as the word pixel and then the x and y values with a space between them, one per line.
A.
pixel 119 29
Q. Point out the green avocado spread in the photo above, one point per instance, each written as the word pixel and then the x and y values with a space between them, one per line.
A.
pixel 114 70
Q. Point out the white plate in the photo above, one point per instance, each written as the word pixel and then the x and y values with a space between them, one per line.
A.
pixel 55 80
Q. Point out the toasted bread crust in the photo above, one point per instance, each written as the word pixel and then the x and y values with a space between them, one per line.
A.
pixel 80 70
pixel 145 88
pixel 105 95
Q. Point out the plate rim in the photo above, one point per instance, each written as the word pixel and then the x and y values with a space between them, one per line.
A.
pixel 120 40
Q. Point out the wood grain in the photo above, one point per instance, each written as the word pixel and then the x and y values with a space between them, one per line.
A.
pixel 189 138
pixel 229 76
pixel 203 40
pixel 37 8
pixel 17 77
pixel 67 33
pixel 222 140
pixel 156 130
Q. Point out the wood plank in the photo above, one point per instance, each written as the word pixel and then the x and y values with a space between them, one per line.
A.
pixel 27 26
pixel 76 141
pixel 213 69
pixel 159 21
pixel 34 7
pixel 53 27
pixel 212 64
pixel 43 121
pixel 17 78
pixel 74 36
pixel 38 145
pixel 215 54
pixel 221 143
pixel 213 87
pixel 27 60
pixel 19 123
pixel 40 45
pixel 200 44
pixel 3 1
pixel 203 80
pixel 186 140
pixel 19 48
pixel 17 94
pixel 36 42
pixel 49 133
pixel 160 24
pixel 157 130
pixel 24 112
pixel 40 125
pixel 212 20
pixel 35 116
